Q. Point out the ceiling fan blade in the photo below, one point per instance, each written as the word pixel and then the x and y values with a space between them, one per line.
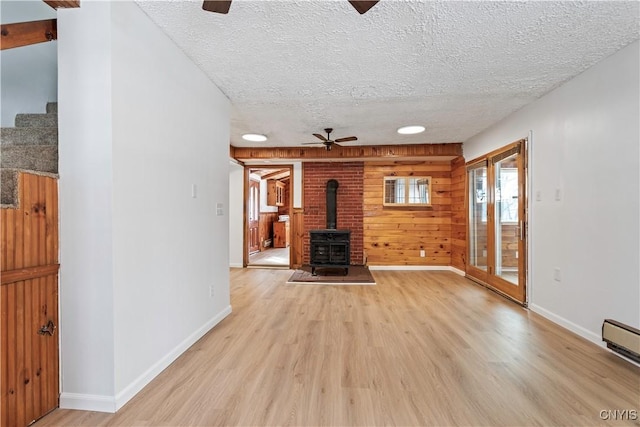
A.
pixel 217 6
pixel 348 138
pixel 362 6
pixel 320 137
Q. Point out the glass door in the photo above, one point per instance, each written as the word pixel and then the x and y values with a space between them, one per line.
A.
pixel 497 221
pixel 477 184
pixel 507 220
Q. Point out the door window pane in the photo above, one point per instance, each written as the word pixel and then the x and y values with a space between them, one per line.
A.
pixel 478 218
pixel 507 232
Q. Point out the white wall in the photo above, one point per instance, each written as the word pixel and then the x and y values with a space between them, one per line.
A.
pixel 585 144
pixel 161 127
pixel 29 74
pixel 236 214
pixel 85 203
pixel 297 185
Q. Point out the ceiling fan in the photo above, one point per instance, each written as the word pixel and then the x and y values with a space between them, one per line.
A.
pixel 222 6
pixel 328 142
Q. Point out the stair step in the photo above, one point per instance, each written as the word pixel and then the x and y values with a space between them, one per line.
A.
pixel 41 158
pixel 8 187
pixel 52 107
pixel 49 120
pixel 28 136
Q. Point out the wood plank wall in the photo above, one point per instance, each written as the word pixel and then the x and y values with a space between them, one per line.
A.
pixel 395 235
pixel 29 299
pixel 265 227
pixel 458 214
pixel 297 231
pixel 284 210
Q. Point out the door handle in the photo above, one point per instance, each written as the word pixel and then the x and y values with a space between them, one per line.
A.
pixel 49 328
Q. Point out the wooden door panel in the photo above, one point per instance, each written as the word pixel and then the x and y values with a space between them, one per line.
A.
pixel 30 361
pixel 29 365
pixel 253 207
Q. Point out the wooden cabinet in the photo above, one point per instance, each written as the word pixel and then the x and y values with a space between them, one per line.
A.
pixel 281 234
pixel 275 193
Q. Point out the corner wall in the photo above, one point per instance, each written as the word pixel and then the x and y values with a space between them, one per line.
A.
pixel 458 214
pixel 236 214
pixel 585 149
pixel 144 263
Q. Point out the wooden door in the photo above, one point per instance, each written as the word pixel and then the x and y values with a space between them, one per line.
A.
pixel 29 303
pixel 497 219
pixel 253 216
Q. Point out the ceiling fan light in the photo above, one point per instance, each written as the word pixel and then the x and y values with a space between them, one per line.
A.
pixel 410 130
pixel 254 137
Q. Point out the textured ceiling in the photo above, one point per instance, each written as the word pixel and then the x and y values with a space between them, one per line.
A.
pixel 292 68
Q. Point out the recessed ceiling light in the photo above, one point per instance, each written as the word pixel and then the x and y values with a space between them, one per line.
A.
pixel 254 137
pixel 410 130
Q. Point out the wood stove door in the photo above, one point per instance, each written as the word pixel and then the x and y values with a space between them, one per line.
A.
pixel 253 216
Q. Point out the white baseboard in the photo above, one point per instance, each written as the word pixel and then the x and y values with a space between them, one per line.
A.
pixel 235 265
pixel 134 388
pixel 458 271
pixel 408 267
pixel 112 404
pixel 87 402
pixel 567 324
pixel 417 267
pixel 578 330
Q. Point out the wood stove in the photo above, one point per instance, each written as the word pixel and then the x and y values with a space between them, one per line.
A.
pixel 330 248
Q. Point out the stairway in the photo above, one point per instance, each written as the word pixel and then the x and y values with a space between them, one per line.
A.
pixel 32 145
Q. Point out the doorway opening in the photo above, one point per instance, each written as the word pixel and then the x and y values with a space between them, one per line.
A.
pixel 268 205
pixel 497 220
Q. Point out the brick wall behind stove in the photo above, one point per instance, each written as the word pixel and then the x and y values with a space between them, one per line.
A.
pixel 350 200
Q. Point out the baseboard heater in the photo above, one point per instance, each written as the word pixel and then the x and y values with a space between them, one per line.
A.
pixel 621 338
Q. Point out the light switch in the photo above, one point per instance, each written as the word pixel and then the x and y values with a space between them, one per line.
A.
pixel 194 191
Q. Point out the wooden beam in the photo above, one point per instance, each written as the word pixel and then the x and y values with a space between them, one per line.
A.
pixel 348 153
pixel 28 273
pixel 63 3
pixel 27 33
pixel 277 174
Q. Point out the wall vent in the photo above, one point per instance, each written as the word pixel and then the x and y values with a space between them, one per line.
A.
pixel 621 338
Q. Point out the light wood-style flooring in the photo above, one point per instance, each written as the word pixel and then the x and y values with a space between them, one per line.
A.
pixel 420 349
pixel 276 257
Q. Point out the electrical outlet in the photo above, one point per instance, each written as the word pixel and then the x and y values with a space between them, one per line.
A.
pixel 422 253
pixel 556 274
pixel 212 291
